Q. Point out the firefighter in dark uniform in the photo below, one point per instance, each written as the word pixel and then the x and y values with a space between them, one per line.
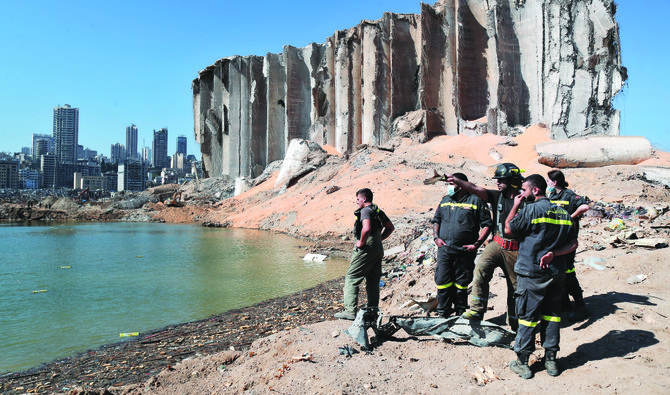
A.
pixel 546 234
pixel 559 194
pixel 461 224
pixel 370 228
pixel 503 251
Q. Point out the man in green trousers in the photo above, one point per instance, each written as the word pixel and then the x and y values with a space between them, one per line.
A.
pixel 371 227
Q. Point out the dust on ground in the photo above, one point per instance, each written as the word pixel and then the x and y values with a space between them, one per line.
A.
pixel 621 348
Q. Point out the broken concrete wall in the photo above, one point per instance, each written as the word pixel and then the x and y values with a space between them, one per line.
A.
pixel 502 63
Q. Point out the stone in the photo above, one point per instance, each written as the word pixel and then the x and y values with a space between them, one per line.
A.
pixel 594 151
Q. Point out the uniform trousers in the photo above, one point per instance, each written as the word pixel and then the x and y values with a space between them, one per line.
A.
pixel 453 273
pixel 538 300
pixel 365 264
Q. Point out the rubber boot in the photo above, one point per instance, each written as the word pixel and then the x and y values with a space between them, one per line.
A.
pixel 520 367
pixel 550 363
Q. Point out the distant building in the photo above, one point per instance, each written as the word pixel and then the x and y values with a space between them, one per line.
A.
pixel 66 133
pixel 131 142
pixel 48 169
pixel 29 179
pixel 25 150
pixel 90 154
pixel 111 181
pixel 118 153
pixel 9 174
pixel 146 155
pixel 181 145
pixel 177 162
pixel 65 172
pixel 49 139
pixel 132 176
pixel 91 182
pixel 160 148
pixel 40 147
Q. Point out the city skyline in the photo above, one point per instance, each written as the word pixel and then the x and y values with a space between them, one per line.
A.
pixel 89 55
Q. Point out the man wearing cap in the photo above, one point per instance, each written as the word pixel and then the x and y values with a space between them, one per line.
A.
pixel 503 251
pixel 546 234
pixel 461 224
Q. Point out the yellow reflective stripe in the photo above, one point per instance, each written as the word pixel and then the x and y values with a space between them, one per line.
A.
pixel 445 286
pixel 462 205
pixel 551 221
pixel 570 271
pixel 461 287
pixel 551 318
pixel 528 323
pixel 560 202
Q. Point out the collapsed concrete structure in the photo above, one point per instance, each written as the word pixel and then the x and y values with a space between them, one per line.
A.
pixel 501 63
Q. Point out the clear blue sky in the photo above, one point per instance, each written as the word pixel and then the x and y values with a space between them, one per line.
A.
pixel 129 62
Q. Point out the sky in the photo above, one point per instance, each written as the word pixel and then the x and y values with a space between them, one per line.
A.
pixel 132 62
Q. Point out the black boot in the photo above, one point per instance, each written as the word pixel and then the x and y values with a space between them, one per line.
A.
pixel 520 367
pixel 550 363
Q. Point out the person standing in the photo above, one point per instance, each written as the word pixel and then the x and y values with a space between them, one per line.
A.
pixel 461 224
pixel 546 234
pixel 504 250
pixel 371 227
pixel 559 194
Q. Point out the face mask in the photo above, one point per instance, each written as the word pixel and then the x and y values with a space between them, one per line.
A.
pixel 551 189
pixel 451 190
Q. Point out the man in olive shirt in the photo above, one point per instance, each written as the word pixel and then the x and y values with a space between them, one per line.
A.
pixel 371 227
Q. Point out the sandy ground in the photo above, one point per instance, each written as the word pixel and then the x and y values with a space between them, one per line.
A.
pixel 621 348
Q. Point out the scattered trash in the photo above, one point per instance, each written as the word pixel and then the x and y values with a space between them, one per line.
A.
pixel 594 262
pixel 637 279
pixel 128 334
pixel 348 351
pixel 314 257
pixel 394 250
pixel 66 267
pixel 651 243
pixel 139 256
pixel 485 375
pixel 598 247
pixel 381 283
pixel 40 291
pixel 308 357
pixel 616 224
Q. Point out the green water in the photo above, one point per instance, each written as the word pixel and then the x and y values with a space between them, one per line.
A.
pixel 95 281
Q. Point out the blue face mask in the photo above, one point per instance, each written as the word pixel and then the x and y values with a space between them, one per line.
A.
pixel 451 190
pixel 551 189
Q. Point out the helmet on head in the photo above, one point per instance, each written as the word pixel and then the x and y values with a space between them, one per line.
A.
pixel 507 170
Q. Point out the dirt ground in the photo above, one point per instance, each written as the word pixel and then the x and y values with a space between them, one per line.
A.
pixel 621 348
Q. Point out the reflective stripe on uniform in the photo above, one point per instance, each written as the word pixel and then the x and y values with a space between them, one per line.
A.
pixel 570 271
pixel 445 286
pixel 528 323
pixel 551 221
pixel 461 205
pixel 551 318
pixel 461 286
pixel 560 202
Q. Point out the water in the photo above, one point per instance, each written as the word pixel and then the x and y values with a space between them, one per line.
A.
pixel 104 279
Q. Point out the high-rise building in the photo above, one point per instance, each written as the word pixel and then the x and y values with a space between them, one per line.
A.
pixel 48 170
pixel 132 176
pixel 9 174
pixel 146 155
pixel 159 149
pixel 118 153
pixel 181 145
pixel 49 139
pixel 40 147
pixel 66 133
pixel 131 142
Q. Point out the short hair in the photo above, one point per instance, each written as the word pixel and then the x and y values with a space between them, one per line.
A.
pixel 367 193
pixel 460 176
pixel 537 181
pixel 558 177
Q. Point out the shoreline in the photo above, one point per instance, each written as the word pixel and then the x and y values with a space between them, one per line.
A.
pixel 135 361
